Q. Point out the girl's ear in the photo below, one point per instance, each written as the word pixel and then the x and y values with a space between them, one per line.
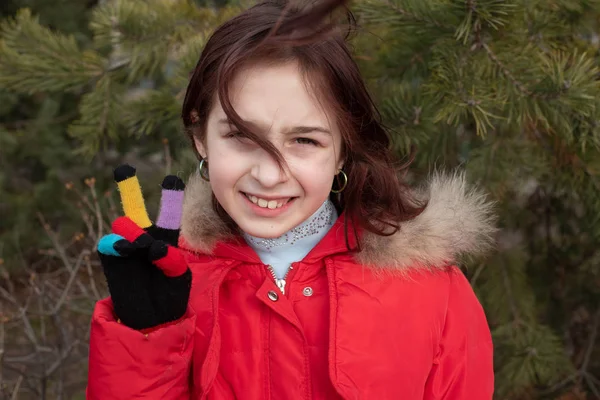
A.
pixel 200 147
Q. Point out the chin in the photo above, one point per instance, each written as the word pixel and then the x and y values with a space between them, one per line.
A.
pixel 264 230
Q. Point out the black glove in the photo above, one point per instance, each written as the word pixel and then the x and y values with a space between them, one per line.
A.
pixel 148 278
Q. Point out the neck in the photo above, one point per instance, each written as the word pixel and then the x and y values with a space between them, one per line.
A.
pixel 295 244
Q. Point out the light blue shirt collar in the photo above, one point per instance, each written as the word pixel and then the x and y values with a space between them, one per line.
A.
pixel 295 244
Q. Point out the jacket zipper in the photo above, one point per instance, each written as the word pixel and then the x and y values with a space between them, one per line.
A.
pixel 279 282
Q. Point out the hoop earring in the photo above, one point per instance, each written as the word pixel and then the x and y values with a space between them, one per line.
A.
pixel 203 170
pixel 345 179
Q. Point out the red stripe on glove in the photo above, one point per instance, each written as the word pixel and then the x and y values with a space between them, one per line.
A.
pixel 125 227
pixel 173 264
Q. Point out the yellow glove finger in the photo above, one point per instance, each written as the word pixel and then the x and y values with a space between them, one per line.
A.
pixel 131 195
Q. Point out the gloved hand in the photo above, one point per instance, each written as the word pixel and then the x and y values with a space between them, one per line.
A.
pixel 148 278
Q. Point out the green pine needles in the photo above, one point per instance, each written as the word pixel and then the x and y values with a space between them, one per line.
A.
pixel 136 47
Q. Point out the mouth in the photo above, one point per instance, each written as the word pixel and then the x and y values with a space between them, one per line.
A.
pixel 270 204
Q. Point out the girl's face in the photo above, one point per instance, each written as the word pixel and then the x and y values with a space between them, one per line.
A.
pixel 263 200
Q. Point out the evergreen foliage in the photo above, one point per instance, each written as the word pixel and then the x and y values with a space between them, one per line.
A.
pixel 507 89
pixel 35 151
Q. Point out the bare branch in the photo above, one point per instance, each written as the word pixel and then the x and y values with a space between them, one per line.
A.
pixel 591 342
pixel 15 393
pixel 67 288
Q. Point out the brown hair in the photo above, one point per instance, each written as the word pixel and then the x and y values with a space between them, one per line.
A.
pixel 278 31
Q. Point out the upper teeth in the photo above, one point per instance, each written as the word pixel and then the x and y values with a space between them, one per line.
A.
pixel 272 204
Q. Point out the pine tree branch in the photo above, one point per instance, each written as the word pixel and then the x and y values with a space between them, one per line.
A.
pixel 509 293
pixel 35 59
pixel 405 13
pixel 384 11
pixel 24 122
pixel 582 372
pixel 105 109
pixel 505 71
pixel 511 77
pixel 580 163
pixel 558 386
pixel 115 65
pixel 576 161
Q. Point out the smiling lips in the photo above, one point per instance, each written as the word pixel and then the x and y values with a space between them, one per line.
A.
pixel 271 204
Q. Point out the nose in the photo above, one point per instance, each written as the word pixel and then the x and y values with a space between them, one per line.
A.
pixel 266 171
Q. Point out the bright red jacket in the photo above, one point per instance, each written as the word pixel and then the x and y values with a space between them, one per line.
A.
pixel 392 321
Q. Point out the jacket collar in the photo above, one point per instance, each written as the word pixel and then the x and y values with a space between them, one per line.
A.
pixel 235 247
pixel 457 221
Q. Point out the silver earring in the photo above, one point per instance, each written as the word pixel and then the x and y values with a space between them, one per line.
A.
pixel 203 169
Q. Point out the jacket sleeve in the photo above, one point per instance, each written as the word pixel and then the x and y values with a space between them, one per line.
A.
pixel 463 366
pixel 126 364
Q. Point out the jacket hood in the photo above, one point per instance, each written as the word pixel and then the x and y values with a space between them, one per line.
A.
pixel 457 221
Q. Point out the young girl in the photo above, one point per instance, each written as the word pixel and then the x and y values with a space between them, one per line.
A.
pixel 305 268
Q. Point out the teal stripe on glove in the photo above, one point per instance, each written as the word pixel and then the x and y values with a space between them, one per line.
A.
pixel 107 243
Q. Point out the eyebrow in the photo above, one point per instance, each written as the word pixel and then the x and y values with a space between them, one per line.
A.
pixel 289 130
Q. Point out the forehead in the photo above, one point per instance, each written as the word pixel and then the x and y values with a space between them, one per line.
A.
pixel 277 94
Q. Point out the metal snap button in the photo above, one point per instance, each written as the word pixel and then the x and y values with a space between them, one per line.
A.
pixel 307 291
pixel 272 295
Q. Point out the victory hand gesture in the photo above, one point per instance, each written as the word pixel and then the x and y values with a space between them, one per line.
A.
pixel 148 278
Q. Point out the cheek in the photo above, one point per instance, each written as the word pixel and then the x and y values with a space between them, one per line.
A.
pixel 223 161
pixel 315 177
pixel 224 173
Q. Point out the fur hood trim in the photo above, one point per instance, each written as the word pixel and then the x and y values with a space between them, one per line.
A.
pixel 457 221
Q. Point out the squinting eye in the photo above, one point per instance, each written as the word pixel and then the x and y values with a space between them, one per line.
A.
pixel 302 140
pixel 234 134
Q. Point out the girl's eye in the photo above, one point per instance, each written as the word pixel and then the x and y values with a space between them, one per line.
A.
pixel 302 140
pixel 237 135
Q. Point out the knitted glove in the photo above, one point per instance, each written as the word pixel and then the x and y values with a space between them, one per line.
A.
pixel 148 278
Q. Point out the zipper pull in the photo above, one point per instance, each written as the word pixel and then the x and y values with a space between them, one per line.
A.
pixel 281 285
